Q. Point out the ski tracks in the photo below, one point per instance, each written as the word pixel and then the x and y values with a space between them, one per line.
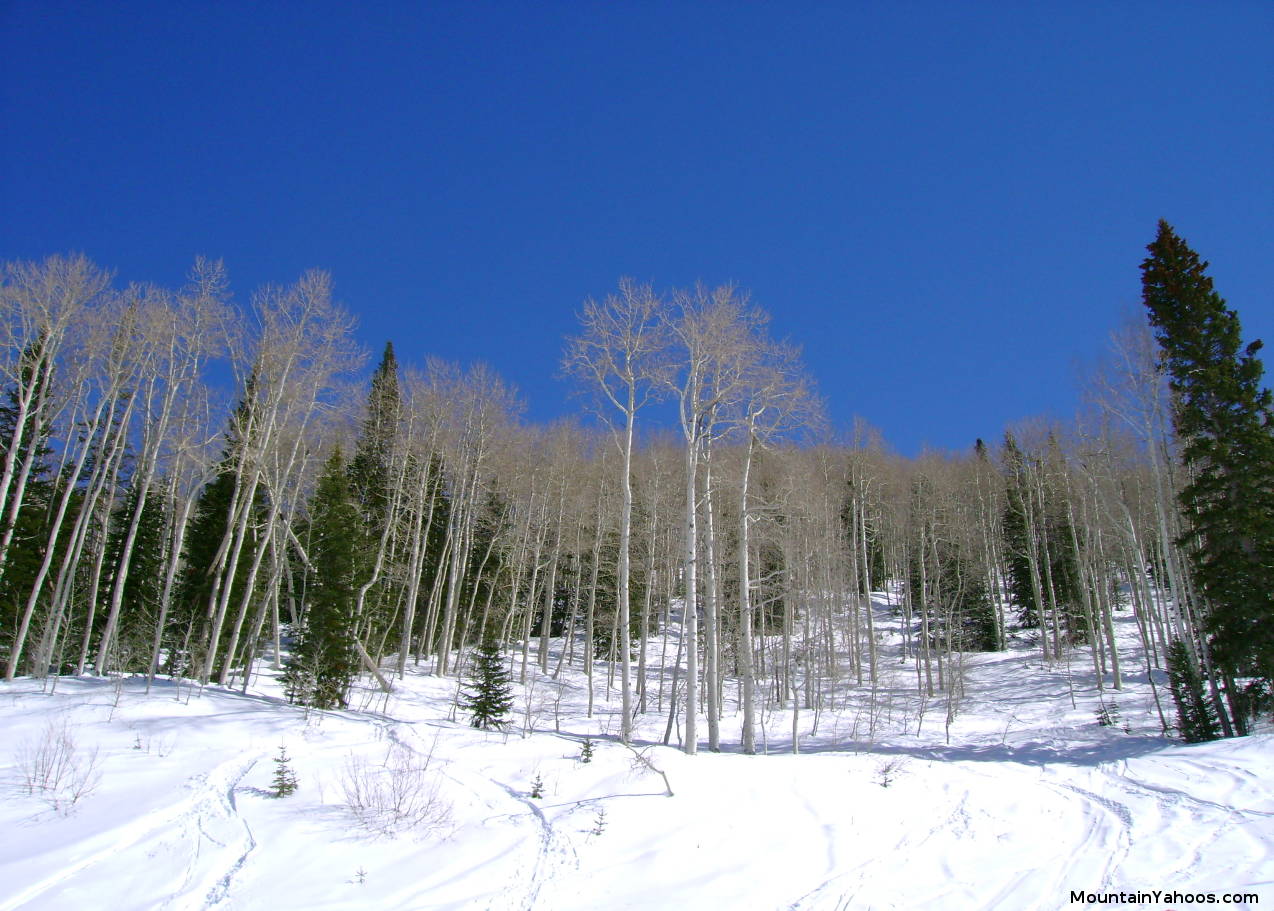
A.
pixel 1108 826
pixel 556 855
pixel 204 825
pixel 220 809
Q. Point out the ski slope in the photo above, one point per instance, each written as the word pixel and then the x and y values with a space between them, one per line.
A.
pixel 1020 800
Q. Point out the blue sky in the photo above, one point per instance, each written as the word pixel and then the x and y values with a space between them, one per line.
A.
pixel 945 204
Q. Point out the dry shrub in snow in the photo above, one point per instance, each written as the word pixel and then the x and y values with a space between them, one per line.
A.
pixel 398 793
pixel 56 770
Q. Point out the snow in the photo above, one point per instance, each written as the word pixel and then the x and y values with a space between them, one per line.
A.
pixel 1024 799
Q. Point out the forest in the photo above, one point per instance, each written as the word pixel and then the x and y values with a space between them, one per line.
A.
pixel 190 486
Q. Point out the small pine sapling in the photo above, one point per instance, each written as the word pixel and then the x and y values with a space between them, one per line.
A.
pixel 285 782
pixel 1108 714
pixel 599 822
pixel 586 752
pixel 537 787
pixel 888 771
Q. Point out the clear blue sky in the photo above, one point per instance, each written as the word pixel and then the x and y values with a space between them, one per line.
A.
pixel 945 203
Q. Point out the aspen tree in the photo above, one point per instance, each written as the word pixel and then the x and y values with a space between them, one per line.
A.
pixel 621 355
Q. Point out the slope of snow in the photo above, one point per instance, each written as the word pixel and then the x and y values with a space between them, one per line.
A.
pixel 1017 801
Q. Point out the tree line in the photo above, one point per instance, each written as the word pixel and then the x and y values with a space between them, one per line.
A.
pixel 188 486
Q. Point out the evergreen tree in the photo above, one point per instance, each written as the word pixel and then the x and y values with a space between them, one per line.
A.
pixel 143 588
pixel 369 469
pixel 1225 422
pixel 1196 720
pixel 31 526
pixel 285 782
pixel 1017 538
pixel 324 662
pixel 489 697
pixel 1036 528
pixel 973 612
pixel 207 528
pixel 371 478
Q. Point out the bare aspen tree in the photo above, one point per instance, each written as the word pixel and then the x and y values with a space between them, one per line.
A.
pixel 620 355
pixel 44 304
pixel 179 336
pixel 302 346
pixel 776 397
pixel 479 409
pixel 714 331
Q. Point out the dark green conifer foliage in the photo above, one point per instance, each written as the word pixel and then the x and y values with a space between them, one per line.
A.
pixel 285 782
pixel 31 526
pixel 489 697
pixel 209 522
pixel 1061 538
pixel 143 588
pixel 370 467
pixel 1035 521
pixel 1017 538
pixel 324 661
pixel 954 591
pixel 1196 720
pixel 974 613
pixel 1226 425
pixel 371 479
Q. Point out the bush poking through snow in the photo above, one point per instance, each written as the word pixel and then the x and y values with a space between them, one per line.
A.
pixel 56 770
pixel 888 771
pixel 586 752
pixel 400 793
pixel 537 787
pixel 599 822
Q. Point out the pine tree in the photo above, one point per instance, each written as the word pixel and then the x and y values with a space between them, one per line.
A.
pixel 284 778
pixel 371 479
pixel 1196 720
pixel 489 697
pixel 1225 422
pixel 324 661
pixel 973 611
pixel 31 525
pixel 208 526
pixel 1017 539
pixel 369 469
pixel 143 589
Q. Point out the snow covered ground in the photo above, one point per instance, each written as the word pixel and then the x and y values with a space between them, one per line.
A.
pixel 1022 801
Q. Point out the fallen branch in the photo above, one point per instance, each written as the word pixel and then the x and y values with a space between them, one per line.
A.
pixel 642 761
pixel 371 666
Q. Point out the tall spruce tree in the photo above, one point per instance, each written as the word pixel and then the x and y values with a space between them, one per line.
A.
pixel 369 469
pixel 144 586
pixel 324 660
pixel 1016 529
pixel 31 524
pixel 1196 721
pixel 1224 420
pixel 489 696
pixel 371 479
pixel 209 523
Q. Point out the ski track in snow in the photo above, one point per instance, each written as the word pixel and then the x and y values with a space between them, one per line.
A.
pixel 196 819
